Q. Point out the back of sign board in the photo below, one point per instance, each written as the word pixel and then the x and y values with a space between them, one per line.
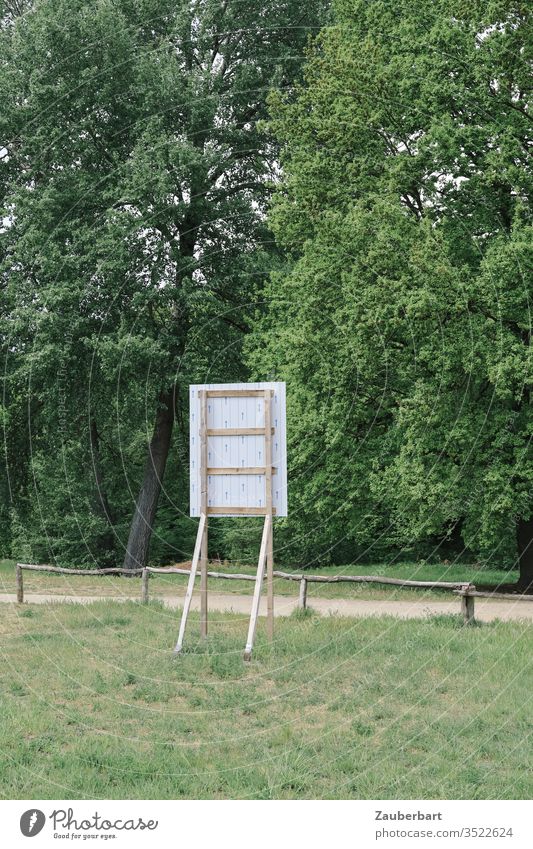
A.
pixel 236 448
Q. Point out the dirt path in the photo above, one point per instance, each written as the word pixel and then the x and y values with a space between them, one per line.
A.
pixel 486 609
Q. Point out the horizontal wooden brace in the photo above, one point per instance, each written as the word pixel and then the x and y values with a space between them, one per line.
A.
pixel 241 511
pixel 240 470
pixel 236 393
pixel 237 431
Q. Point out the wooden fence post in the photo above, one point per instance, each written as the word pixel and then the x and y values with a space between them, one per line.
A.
pixel 144 585
pixel 20 584
pixel 302 600
pixel 467 606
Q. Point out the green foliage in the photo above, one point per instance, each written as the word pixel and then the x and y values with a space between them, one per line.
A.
pixel 133 186
pixel 401 323
pixel 139 162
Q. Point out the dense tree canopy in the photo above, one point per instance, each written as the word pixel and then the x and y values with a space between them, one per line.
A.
pixel 134 178
pixel 137 162
pixel 403 326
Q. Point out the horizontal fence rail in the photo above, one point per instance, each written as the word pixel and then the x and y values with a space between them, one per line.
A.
pixel 466 591
pixel 61 571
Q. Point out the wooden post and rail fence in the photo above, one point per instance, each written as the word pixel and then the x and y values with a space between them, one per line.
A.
pixel 467 592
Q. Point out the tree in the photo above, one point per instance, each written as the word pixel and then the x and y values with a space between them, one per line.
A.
pixel 135 179
pixel 405 206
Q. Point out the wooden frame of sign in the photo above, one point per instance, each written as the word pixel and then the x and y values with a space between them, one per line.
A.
pixel 209 498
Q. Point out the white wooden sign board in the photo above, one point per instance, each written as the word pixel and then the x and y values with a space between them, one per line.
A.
pixel 233 450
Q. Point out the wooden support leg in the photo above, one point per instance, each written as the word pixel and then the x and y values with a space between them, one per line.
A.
pixel 268 505
pixel 203 584
pixel 190 585
pixel 270 584
pixel 257 589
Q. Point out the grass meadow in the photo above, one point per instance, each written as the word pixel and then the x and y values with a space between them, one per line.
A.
pixel 94 705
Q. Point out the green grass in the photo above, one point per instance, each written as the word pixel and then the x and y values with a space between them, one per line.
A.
pixel 94 705
pixel 168 585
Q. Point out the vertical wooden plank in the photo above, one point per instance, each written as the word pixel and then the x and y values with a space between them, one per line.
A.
pixel 257 589
pixel 279 450
pixel 144 585
pixel 203 481
pixel 194 464
pixel 190 584
pixel 20 584
pixel 302 599
pixel 268 505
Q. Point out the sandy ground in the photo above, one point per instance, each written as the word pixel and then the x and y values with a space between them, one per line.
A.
pixel 486 610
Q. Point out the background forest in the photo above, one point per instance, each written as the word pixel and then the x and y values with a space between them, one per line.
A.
pixel 338 196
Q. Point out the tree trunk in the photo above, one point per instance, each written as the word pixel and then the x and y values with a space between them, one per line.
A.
pixel 524 540
pixel 136 556
pixel 106 544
